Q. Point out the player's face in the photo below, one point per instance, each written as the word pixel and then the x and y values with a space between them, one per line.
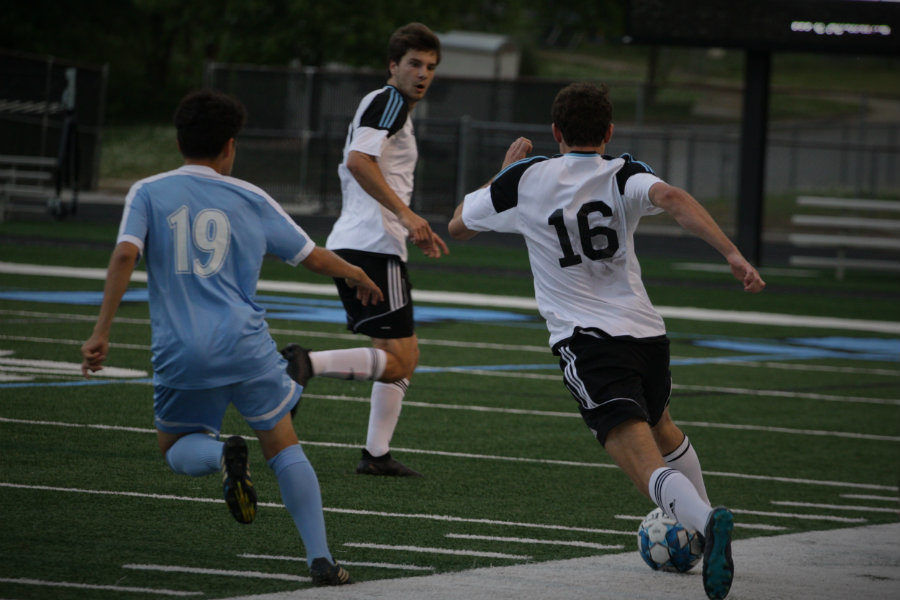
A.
pixel 413 74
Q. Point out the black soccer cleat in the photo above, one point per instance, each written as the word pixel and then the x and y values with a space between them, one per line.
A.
pixel 325 573
pixel 718 567
pixel 236 483
pixel 299 367
pixel 383 465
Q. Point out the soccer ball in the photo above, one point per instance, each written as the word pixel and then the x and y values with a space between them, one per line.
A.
pixel 667 545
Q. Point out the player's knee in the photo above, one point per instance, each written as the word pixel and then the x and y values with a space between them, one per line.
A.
pixel 400 365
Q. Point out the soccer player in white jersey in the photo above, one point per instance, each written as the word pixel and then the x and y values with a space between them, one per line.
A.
pixel 372 230
pixel 203 235
pixel 578 212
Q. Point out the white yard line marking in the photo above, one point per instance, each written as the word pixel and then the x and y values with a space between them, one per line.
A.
pixel 762 513
pixel 815 432
pixel 422 341
pixel 717 268
pixel 451 519
pixel 759 526
pixel 348 563
pixel 870 497
pixel 879 509
pixel 817 368
pixel 106 588
pixel 783 394
pixel 349 511
pixel 11 378
pixel 546 413
pixel 448 551
pixel 776 319
pixel 23 338
pixel 469 407
pixel 216 572
pixel 54 367
pixel 517 540
pixel 71 316
pixel 496 301
pixel 865 486
pixel 484 345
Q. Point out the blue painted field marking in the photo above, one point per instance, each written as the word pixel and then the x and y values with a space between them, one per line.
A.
pixel 288 308
pixel 75 383
pixel 844 348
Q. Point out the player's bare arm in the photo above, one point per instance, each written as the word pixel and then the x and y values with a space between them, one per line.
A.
pixel 518 150
pixel 691 215
pixel 118 274
pixel 458 229
pixel 365 170
pixel 325 262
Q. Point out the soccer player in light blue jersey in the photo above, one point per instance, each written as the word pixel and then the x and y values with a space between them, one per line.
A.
pixel 203 235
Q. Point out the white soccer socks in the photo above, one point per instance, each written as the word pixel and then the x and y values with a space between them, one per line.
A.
pixel 387 400
pixel 673 492
pixel 353 363
pixel 684 458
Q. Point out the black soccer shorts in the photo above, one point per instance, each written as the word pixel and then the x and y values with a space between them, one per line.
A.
pixel 391 318
pixel 615 379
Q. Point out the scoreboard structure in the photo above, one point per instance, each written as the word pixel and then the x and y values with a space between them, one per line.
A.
pixel 851 26
pixel 761 27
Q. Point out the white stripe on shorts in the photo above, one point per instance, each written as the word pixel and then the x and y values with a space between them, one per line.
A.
pixel 274 411
pixel 573 381
pixel 395 290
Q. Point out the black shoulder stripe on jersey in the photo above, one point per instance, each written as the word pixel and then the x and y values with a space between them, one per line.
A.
pixel 631 167
pixel 387 110
pixel 505 187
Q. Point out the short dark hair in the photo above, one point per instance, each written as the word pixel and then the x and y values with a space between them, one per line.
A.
pixel 412 36
pixel 205 120
pixel 583 113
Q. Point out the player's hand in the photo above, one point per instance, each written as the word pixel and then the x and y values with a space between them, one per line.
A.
pixel 422 236
pixel 744 272
pixel 434 247
pixel 418 228
pixel 518 150
pixel 93 353
pixel 367 292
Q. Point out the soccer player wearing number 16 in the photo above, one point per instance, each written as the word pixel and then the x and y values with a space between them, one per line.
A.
pixel 578 212
pixel 203 235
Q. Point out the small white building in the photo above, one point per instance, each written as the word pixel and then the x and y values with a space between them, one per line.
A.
pixel 481 55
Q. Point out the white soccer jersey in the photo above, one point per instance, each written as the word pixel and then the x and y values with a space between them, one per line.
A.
pixel 383 128
pixel 578 213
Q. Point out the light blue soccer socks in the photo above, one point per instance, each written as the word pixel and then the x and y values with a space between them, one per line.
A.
pixel 196 454
pixel 303 499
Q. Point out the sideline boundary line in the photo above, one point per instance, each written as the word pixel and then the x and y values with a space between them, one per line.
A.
pixel 497 301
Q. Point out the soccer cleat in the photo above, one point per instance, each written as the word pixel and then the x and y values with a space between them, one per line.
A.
pixel 325 573
pixel 236 484
pixel 718 567
pixel 299 367
pixel 383 465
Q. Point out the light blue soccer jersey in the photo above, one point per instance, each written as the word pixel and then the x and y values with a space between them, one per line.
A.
pixel 203 237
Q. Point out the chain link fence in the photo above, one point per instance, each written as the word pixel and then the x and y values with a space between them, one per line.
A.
pixel 48 102
pixel 298 120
